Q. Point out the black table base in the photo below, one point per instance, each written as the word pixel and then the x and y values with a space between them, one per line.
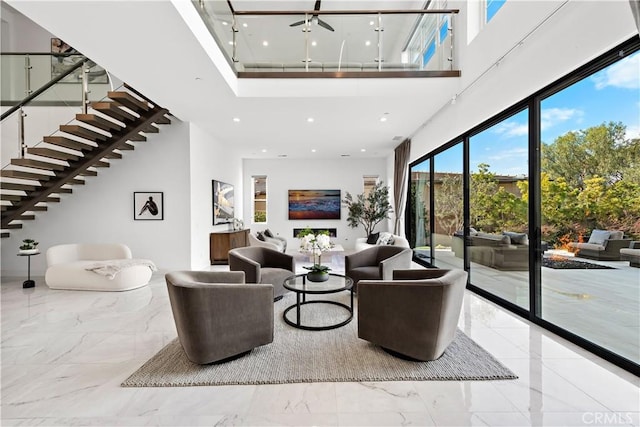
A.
pixel 299 325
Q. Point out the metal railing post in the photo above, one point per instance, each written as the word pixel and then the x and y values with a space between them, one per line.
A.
pixel 85 88
pixel 379 29
pixel 27 75
pixel 23 146
pixel 451 41
pixel 307 30
pixel 234 31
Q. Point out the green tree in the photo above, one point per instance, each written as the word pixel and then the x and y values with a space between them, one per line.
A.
pixel 368 209
pixel 602 151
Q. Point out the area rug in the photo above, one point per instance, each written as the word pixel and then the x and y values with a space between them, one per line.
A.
pixel 336 355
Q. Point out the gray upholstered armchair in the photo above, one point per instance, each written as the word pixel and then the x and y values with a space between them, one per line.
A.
pixel 263 265
pixel 415 315
pixel 377 263
pixel 217 315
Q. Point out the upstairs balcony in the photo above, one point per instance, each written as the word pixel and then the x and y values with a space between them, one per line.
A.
pixel 333 43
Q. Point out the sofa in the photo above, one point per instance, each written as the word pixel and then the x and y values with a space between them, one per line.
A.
pixel 96 267
pixel 602 245
pixel 508 251
pixel 382 238
pixel 631 254
pixel 266 239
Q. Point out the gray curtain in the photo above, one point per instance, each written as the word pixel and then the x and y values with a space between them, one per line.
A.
pixel 401 166
pixel 635 10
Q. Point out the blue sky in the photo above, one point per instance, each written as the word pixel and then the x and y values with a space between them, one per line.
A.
pixel 613 94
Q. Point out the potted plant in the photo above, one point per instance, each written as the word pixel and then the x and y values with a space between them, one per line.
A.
pixel 368 209
pixel 315 244
pixel 29 246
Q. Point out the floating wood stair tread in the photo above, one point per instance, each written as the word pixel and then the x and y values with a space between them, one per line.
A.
pixel 151 129
pixel 162 121
pixel 17 186
pixel 128 101
pixel 138 137
pixel 9 173
pixel 101 164
pixel 38 164
pixel 38 208
pixel 83 132
pixel 14 226
pixel 125 146
pixel 52 199
pixel 11 197
pixel 63 190
pixel 75 181
pixel 99 122
pixel 27 217
pixel 72 144
pixel 87 172
pixel 111 109
pixel 113 155
pixel 52 154
pixel 4 234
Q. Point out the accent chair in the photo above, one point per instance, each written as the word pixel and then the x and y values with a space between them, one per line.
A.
pixel 377 263
pixel 263 265
pixel 415 315
pixel 218 317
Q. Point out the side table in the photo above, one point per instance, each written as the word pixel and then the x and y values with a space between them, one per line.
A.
pixel 28 283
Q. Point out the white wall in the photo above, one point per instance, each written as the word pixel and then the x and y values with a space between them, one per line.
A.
pixel 210 159
pixel 322 174
pixel 578 32
pixel 102 209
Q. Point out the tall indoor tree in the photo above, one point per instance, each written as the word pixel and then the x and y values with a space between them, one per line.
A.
pixel 368 209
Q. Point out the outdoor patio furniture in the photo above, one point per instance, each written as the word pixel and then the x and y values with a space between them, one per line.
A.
pixel 603 245
pixel 631 254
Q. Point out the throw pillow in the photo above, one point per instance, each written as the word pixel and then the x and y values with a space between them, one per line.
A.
pixel 384 238
pixel 517 238
pixel 599 236
pixel 268 233
pixel 260 235
pixel 373 238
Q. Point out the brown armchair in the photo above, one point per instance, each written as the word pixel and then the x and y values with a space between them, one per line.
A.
pixel 263 265
pixel 413 316
pixel 377 263
pixel 218 317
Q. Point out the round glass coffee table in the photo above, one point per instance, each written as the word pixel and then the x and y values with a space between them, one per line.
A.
pixel 303 287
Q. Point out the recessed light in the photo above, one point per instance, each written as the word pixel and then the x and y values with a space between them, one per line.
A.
pixel 245 25
pixel 264 150
pixel 313 150
pixel 236 119
pixel 231 42
pixel 265 43
pixel 225 23
pixel 314 43
pixel 310 119
pixel 363 150
pixel 383 119
pixel 367 43
pixel 371 22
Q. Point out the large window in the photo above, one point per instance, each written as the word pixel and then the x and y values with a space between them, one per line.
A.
pixel 590 181
pixel 448 218
pixel 498 243
pixel 540 204
pixel 259 199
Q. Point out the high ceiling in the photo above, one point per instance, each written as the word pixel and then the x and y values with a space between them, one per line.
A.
pixel 160 49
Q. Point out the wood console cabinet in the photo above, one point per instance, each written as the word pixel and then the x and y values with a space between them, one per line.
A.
pixel 220 243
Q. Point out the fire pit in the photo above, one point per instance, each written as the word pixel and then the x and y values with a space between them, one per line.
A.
pixel 563 263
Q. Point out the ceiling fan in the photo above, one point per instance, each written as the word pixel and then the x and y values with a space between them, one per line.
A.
pixel 315 19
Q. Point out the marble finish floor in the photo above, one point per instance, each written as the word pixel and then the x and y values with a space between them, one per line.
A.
pixel 65 353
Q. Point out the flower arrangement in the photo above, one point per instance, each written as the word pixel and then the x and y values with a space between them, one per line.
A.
pixel 315 244
pixel 29 245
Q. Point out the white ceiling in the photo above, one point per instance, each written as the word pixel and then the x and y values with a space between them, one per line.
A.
pixel 149 45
